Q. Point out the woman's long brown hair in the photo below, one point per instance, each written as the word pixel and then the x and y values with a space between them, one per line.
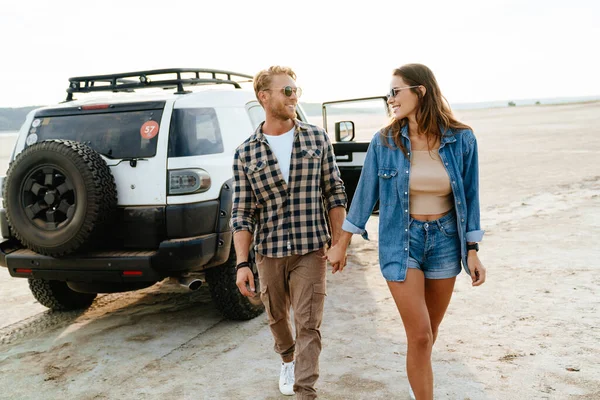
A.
pixel 433 110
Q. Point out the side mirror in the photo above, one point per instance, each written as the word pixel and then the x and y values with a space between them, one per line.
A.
pixel 344 131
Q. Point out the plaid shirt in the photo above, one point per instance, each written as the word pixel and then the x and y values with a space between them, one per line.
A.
pixel 286 218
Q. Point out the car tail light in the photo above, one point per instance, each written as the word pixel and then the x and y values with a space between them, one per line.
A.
pixel 23 271
pixel 187 181
pixel 95 107
pixel 132 273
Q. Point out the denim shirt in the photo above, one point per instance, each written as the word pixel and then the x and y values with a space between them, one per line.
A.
pixel 385 177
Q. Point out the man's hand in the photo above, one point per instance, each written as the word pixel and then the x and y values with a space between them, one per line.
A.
pixel 477 269
pixel 337 257
pixel 246 277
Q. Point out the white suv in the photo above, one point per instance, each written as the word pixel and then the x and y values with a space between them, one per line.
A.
pixel 117 193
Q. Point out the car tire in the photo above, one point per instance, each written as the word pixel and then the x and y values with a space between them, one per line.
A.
pixel 59 195
pixel 57 296
pixel 226 295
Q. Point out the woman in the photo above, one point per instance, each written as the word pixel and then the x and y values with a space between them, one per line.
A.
pixel 423 169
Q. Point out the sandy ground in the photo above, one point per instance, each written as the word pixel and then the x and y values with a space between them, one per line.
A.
pixel 531 332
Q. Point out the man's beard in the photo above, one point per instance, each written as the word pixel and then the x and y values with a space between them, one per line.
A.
pixel 280 112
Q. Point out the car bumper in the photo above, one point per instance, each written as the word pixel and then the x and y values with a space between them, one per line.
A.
pixel 173 257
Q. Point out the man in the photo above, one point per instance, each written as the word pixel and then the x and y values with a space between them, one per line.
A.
pixel 285 179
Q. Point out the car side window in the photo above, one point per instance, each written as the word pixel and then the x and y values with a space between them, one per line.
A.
pixel 256 114
pixel 194 132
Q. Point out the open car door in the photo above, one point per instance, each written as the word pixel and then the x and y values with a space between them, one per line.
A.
pixel 354 122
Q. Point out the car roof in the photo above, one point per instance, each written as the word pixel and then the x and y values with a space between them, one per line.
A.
pixel 210 96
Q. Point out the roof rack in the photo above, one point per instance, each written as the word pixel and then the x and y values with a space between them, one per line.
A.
pixel 120 83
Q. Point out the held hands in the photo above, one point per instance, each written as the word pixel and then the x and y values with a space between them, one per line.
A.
pixel 477 269
pixel 245 282
pixel 337 257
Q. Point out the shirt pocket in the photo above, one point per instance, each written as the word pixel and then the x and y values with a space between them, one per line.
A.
pixel 309 167
pixel 264 181
pixel 388 186
pixel 256 166
pixel 311 153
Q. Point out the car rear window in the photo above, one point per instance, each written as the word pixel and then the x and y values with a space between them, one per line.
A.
pixel 194 132
pixel 123 134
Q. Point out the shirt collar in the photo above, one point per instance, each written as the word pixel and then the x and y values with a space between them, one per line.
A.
pixel 447 135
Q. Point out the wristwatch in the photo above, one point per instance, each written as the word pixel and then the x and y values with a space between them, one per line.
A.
pixel 474 246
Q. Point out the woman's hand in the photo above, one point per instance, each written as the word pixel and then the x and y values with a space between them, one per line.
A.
pixel 477 269
pixel 337 257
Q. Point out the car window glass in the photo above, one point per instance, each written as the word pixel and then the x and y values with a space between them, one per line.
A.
pixel 194 132
pixel 256 114
pixel 130 134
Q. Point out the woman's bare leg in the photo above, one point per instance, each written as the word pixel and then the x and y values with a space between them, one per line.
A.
pixel 438 293
pixel 410 300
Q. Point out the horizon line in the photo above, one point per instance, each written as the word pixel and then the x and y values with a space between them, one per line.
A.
pixel 577 98
pixel 528 99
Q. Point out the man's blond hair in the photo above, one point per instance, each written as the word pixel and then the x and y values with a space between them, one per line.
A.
pixel 263 79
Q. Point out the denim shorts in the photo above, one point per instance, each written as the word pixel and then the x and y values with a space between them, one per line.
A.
pixel 435 247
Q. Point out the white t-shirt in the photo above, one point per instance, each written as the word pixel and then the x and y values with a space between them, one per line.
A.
pixel 282 146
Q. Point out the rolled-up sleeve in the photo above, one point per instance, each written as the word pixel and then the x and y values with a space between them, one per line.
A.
pixel 334 193
pixel 244 201
pixel 366 194
pixel 350 227
pixel 471 187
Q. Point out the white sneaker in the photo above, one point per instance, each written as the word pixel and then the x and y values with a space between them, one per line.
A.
pixel 286 378
pixel 411 393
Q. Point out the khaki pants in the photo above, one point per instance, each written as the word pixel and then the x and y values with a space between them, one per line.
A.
pixel 298 281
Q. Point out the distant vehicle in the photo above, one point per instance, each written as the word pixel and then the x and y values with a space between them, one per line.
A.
pixel 115 193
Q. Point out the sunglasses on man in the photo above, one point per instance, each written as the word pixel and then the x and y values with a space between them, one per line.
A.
pixel 288 90
pixel 394 91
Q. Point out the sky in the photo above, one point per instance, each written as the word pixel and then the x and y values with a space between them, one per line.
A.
pixel 479 50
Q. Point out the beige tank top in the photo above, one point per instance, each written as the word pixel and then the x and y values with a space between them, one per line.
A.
pixel 430 190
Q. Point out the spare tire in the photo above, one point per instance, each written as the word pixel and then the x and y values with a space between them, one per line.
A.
pixel 59 197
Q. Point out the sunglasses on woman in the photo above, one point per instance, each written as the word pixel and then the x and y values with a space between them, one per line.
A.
pixel 394 91
pixel 288 90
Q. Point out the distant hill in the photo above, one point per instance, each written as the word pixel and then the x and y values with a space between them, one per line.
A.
pixel 11 119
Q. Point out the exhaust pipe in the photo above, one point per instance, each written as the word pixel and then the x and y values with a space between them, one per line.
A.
pixel 188 282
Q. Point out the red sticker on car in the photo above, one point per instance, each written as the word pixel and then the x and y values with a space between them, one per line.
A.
pixel 149 129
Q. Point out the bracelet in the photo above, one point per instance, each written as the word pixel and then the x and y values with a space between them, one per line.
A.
pixel 244 264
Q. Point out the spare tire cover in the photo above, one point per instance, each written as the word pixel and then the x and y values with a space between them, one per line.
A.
pixel 60 197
